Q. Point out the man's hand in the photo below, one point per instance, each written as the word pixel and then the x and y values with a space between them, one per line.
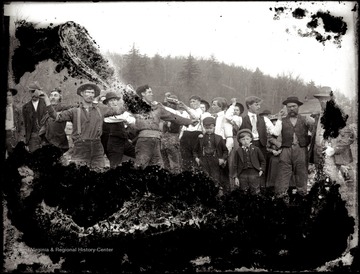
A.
pixel 260 173
pixel 194 122
pixel 221 162
pixel 329 151
pixel 44 96
pixel 197 160
pixel 236 181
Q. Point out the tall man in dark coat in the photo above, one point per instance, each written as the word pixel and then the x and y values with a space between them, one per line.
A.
pixel 14 125
pixel 33 112
pixel 54 132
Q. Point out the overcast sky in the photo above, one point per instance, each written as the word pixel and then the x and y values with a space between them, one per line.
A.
pixel 239 33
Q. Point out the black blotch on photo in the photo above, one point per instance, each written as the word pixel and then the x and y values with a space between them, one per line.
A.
pixel 333 119
pixel 299 13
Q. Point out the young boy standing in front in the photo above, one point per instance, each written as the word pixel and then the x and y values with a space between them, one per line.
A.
pixel 210 151
pixel 249 163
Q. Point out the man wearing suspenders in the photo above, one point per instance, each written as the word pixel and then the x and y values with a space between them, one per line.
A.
pixel 87 122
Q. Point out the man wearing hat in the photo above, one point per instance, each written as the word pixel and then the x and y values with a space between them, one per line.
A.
pixel 210 152
pixel 87 122
pixel 294 156
pixel 33 112
pixel 189 134
pixel 265 113
pixel 13 123
pixel 249 163
pixel 54 132
pixel 147 147
pixel 260 126
pixel 118 143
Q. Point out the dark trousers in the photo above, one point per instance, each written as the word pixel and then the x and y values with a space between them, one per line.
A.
pixel 249 180
pixel 88 152
pixel 34 142
pixel 117 148
pixel 264 152
pixel 147 151
pixel 210 165
pixel 11 140
pixel 293 161
pixel 187 145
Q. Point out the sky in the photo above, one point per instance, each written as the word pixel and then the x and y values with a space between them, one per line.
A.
pixel 239 33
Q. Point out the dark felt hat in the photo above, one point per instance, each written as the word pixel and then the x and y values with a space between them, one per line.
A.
pixel 110 95
pixel 208 121
pixel 292 99
pixel 265 112
pixel 89 86
pixel 34 85
pixel 242 132
pixel 13 91
pixel 241 107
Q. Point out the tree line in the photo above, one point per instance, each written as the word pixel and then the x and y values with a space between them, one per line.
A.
pixel 208 78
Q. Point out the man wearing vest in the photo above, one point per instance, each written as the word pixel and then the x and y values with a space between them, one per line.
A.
pixel 295 141
pixel 87 122
pixel 260 126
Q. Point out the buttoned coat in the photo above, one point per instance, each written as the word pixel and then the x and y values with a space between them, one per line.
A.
pixel 30 116
pixel 221 150
pixel 256 157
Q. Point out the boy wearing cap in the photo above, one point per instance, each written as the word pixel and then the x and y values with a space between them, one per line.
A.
pixel 210 151
pixel 249 163
pixel 13 123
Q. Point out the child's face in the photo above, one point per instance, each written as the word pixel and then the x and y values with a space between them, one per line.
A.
pixel 237 111
pixel 245 140
pixel 209 129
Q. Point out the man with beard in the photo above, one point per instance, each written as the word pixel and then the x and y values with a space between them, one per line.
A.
pixel 54 132
pixel 295 141
pixel 33 112
pixel 87 120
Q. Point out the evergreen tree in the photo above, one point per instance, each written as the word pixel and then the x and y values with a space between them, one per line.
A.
pixel 132 72
pixel 190 74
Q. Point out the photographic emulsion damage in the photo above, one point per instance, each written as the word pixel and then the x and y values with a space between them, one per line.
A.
pixel 139 138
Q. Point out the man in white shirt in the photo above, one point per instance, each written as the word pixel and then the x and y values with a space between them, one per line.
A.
pixel 260 126
pixel 190 133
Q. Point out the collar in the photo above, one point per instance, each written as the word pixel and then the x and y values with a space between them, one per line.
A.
pixel 251 114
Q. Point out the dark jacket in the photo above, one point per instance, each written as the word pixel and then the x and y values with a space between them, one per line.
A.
pixel 54 132
pixel 221 149
pixel 18 124
pixel 260 126
pixel 32 118
pixel 256 157
pixel 343 154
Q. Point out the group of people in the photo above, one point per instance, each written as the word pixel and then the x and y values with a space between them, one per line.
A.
pixel 252 151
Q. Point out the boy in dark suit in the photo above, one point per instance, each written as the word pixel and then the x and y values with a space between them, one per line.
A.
pixel 249 163
pixel 210 151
